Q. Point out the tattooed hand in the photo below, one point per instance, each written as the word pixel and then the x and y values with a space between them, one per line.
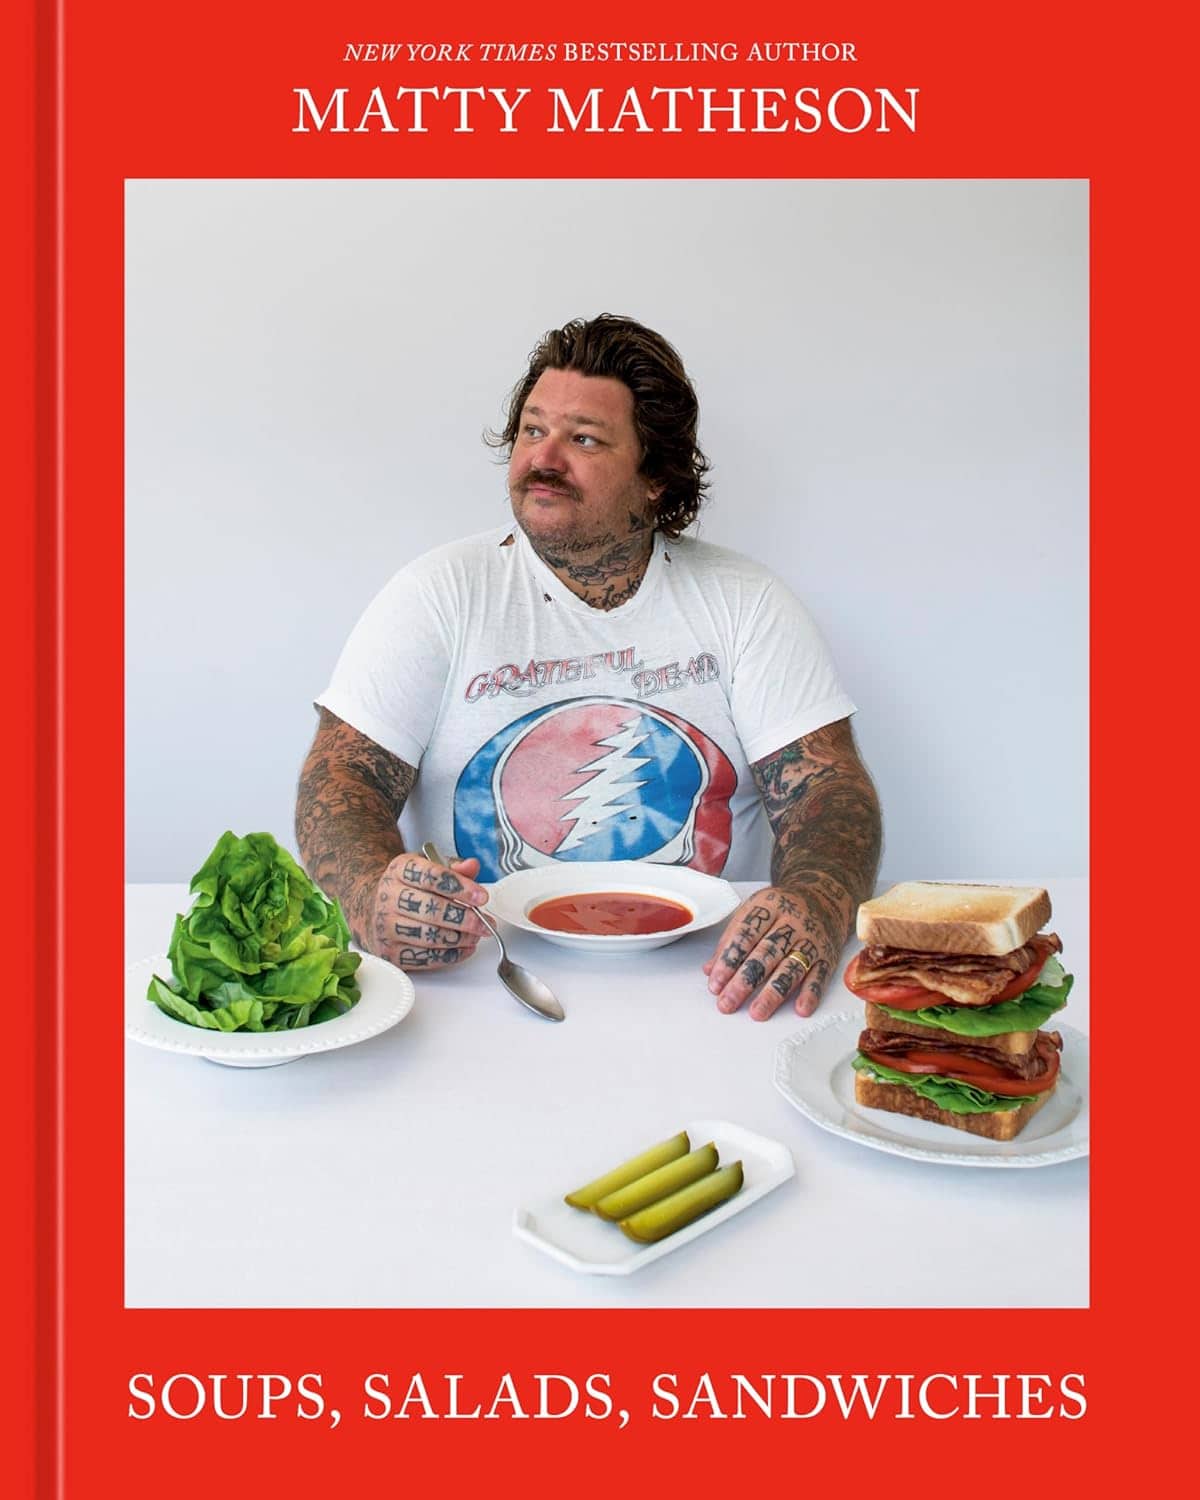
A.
pixel 785 942
pixel 777 946
pixel 421 915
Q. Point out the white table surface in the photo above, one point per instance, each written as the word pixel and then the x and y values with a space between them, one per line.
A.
pixel 386 1174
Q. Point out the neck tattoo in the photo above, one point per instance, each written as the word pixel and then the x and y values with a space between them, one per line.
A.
pixel 603 572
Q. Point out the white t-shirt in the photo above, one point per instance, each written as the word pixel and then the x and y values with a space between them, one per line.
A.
pixel 544 729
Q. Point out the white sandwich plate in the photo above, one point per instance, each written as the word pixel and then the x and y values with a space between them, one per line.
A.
pixel 387 997
pixel 709 899
pixel 585 1242
pixel 813 1072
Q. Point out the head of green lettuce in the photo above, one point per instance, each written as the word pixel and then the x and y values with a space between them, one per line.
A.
pixel 260 948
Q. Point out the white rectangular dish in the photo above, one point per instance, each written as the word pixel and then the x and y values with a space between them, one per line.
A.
pixel 587 1243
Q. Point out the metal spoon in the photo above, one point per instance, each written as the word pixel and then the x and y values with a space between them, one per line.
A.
pixel 519 982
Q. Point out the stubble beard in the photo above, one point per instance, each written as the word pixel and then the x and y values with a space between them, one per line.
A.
pixel 570 536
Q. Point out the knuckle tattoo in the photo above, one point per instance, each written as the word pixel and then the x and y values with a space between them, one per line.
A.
pixel 753 973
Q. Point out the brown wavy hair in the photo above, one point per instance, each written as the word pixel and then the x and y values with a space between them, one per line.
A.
pixel 665 409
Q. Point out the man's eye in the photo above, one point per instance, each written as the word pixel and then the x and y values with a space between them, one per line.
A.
pixel 531 431
pixel 585 439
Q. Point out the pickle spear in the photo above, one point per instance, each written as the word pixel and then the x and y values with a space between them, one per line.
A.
pixel 672 1213
pixel 655 1185
pixel 630 1171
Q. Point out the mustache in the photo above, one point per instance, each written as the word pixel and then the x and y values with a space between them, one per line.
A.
pixel 548 481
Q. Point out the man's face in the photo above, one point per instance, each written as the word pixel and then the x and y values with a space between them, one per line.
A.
pixel 573 476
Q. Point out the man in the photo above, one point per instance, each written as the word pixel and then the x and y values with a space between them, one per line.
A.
pixel 591 685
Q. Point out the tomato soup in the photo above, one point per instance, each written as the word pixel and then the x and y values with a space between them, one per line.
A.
pixel 610 913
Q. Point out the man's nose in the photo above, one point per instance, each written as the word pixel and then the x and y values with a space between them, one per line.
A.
pixel 551 454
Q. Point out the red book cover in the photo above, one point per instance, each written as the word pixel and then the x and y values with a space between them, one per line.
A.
pixel 108 105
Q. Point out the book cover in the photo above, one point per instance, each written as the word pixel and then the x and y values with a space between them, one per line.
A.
pixel 127 112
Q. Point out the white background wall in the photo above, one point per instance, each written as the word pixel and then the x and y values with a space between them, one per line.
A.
pixel 892 378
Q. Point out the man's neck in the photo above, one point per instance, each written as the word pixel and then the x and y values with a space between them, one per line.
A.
pixel 605 571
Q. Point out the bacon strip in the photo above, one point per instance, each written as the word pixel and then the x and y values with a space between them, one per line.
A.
pixel 966 978
pixel 1024 1065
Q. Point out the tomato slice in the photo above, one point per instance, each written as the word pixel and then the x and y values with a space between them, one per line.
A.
pixel 974 1070
pixel 1022 982
pixel 916 996
pixel 902 996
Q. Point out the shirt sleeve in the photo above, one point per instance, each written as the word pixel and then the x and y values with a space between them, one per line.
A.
pixel 785 684
pixel 389 679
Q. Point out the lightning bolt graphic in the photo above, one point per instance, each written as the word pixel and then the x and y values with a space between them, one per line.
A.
pixel 614 778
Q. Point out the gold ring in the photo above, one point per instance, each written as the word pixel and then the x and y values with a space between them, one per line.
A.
pixel 800 959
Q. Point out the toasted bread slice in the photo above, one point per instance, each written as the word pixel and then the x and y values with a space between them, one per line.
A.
pixel 1010 1043
pixel 939 917
pixel 1003 1125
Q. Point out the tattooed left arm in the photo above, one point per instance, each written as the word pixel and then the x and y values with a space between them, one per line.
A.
pixel 785 941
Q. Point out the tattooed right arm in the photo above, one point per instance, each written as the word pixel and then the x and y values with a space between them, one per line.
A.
pixel 351 795
pixel 414 913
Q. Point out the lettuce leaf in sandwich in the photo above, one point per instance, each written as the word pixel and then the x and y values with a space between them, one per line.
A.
pixel 947 1093
pixel 1028 1012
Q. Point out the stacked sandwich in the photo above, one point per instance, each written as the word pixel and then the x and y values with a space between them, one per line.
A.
pixel 958 981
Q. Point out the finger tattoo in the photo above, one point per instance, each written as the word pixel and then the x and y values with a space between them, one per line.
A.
pixel 424 958
pixel 430 935
pixel 422 875
pixel 753 973
pixel 799 965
